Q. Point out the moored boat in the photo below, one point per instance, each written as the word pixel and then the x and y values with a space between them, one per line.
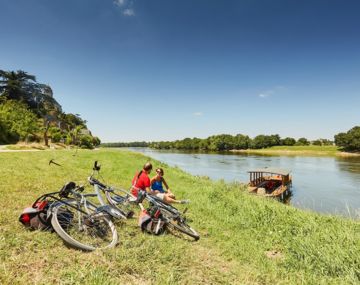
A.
pixel 270 182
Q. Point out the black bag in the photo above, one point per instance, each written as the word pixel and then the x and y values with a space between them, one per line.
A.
pixel 36 217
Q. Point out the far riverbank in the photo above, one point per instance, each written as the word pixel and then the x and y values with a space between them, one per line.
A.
pixel 299 150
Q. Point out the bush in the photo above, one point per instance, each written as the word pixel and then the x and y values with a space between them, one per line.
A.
pixel 86 141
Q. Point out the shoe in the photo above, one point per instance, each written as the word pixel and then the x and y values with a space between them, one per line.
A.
pixel 130 214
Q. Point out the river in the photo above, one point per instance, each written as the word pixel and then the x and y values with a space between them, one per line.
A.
pixel 329 185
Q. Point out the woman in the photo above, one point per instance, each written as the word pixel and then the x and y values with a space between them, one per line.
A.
pixel 157 187
pixel 141 180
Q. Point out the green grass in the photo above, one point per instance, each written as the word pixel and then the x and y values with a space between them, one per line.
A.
pixel 236 230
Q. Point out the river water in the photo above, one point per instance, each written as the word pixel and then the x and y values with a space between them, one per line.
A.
pixel 328 185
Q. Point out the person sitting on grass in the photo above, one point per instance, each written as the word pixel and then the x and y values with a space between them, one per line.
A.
pixel 141 181
pixel 157 188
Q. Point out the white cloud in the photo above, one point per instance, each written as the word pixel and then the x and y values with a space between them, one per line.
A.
pixel 126 7
pixel 120 3
pixel 198 114
pixel 266 94
pixel 263 95
pixel 129 12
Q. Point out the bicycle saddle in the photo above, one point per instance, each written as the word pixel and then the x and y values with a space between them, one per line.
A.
pixel 65 190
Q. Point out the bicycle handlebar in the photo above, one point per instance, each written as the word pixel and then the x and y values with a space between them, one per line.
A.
pixel 94 181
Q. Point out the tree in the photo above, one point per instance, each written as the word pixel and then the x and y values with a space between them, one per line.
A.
pixel 288 141
pixel 317 142
pixel 55 134
pixel 349 141
pixel 302 141
pixel 97 142
pixel 15 85
pixel 18 120
pixel 263 141
pixel 241 142
pixel 86 141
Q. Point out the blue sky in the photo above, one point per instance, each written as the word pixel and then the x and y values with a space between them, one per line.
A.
pixel 165 70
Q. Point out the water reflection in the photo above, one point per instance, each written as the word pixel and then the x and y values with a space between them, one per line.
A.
pixel 324 184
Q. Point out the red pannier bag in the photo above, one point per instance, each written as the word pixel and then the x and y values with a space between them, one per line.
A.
pixel 36 217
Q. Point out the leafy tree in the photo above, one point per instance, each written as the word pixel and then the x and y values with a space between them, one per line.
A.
pixel 86 141
pixel 349 141
pixel 56 134
pixel 18 120
pixel 263 141
pixel 302 141
pixel 317 142
pixel 15 85
pixel 322 142
pixel 96 141
pixel 288 141
pixel 259 142
pixel 6 135
pixel 326 142
pixel 274 140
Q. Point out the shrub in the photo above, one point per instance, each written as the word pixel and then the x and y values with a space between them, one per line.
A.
pixel 86 141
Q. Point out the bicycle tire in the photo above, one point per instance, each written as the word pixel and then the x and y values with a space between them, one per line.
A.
pixel 177 223
pixel 184 228
pixel 87 232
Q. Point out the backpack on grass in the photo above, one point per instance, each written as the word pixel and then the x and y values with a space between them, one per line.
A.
pixel 36 216
pixel 150 221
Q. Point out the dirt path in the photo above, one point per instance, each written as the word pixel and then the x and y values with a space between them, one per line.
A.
pixel 3 148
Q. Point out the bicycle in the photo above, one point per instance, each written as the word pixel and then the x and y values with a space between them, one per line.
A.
pixel 172 217
pixel 116 197
pixel 79 222
pixel 123 199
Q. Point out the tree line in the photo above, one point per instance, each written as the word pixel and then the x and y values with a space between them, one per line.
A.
pixel 226 142
pixel 30 113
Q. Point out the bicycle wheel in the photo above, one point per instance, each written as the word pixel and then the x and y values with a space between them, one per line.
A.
pixel 176 222
pixel 83 231
pixel 184 228
pixel 120 202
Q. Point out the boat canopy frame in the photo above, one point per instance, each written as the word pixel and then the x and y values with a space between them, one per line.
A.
pixel 278 171
pixel 257 175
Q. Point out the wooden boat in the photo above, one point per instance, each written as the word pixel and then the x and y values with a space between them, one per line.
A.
pixel 270 182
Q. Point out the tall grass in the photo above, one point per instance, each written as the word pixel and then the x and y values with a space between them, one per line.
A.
pixel 237 231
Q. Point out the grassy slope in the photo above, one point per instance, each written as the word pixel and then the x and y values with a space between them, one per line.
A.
pixel 236 228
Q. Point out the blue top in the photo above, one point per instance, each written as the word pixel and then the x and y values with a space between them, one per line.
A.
pixel 157 185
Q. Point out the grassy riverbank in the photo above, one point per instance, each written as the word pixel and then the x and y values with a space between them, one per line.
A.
pixel 240 233
pixel 311 150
